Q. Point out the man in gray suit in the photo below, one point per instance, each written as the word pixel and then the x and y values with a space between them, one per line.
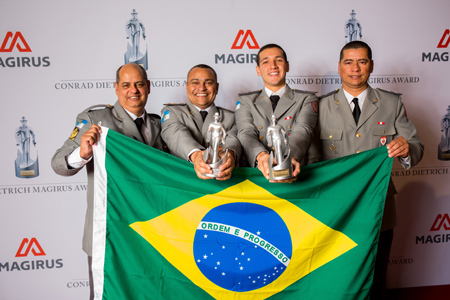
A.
pixel 185 125
pixel 358 118
pixel 132 89
pixel 296 111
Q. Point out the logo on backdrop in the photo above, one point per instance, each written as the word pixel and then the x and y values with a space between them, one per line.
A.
pixel 27 163
pixel 352 28
pixel 16 42
pixel 444 146
pixel 246 37
pixel 440 223
pixel 30 245
pixel 30 248
pixel 243 38
pixel 438 56
pixel 135 32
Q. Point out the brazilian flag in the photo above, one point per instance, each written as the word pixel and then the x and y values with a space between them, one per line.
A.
pixel 160 232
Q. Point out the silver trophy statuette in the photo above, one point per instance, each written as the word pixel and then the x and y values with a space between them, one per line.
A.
pixel 279 142
pixel 215 139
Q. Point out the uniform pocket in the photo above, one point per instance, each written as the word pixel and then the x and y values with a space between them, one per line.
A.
pixel 331 143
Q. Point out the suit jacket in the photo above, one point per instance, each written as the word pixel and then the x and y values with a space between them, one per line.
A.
pixel 117 119
pixel 383 118
pixel 183 129
pixel 296 111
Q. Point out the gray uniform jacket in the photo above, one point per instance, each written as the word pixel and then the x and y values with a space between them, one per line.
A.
pixel 183 129
pixel 296 111
pixel 117 119
pixel 383 118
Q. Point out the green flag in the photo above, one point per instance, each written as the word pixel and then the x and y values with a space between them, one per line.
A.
pixel 160 232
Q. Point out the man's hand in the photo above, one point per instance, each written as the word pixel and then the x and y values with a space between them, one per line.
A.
pixel 227 167
pixel 88 140
pixel 200 166
pixel 263 166
pixel 399 147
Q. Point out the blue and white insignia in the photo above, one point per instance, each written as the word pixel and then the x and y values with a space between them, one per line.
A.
pixel 165 116
pixel 77 129
pixel 238 105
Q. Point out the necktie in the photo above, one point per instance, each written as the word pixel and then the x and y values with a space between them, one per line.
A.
pixel 356 110
pixel 204 113
pixel 274 99
pixel 139 122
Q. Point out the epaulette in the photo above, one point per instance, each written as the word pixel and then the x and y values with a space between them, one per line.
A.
pixel 155 116
pixel 175 104
pixel 329 94
pixel 305 92
pixel 250 93
pixel 98 106
pixel 390 92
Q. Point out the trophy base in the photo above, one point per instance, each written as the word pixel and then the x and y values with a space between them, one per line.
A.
pixel 281 171
pixel 215 166
pixel 442 153
pixel 30 171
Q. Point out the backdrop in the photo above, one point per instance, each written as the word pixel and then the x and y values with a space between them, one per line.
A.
pixel 59 57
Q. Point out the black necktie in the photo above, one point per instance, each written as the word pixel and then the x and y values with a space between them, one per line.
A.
pixel 356 110
pixel 274 99
pixel 204 113
pixel 139 122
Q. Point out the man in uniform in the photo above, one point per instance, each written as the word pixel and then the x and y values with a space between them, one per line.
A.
pixel 185 125
pixel 296 111
pixel 127 116
pixel 358 118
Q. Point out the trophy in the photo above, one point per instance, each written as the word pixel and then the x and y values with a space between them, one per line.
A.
pixel 27 163
pixel 279 142
pixel 215 141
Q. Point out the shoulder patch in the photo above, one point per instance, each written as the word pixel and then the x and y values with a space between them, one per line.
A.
pixel 390 92
pixel 175 104
pixel 305 92
pixel 329 94
pixel 250 93
pixel 98 107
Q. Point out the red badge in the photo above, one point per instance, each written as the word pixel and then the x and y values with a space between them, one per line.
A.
pixel 380 123
pixel 315 106
pixel 383 140
pixel 288 118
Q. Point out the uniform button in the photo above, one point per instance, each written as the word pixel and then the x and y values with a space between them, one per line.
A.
pixel 260 138
pixel 358 151
pixel 358 135
pixel 290 127
pixel 330 136
pixel 260 127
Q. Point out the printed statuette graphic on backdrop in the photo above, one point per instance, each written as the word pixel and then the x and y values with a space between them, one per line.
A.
pixel 352 28
pixel 444 146
pixel 135 30
pixel 26 167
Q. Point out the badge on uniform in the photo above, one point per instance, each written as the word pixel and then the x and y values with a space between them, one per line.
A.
pixel 165 116
pixel 380 123
pixel 288 118
pixel 315 106
pixel 383 140
pixel 238 105
pixel 77 129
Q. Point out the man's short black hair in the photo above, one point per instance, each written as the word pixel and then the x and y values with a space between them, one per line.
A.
pixel 268 46
pixel 356 45
pixel 202 66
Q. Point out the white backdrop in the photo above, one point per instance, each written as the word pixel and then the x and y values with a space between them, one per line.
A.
pixel 82 44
